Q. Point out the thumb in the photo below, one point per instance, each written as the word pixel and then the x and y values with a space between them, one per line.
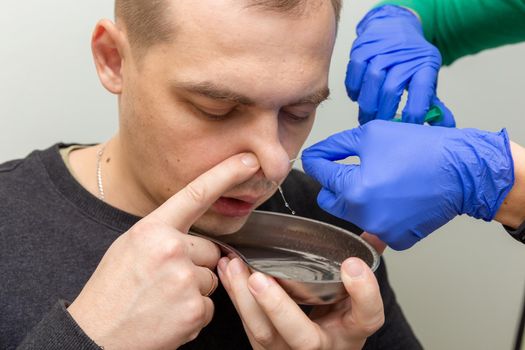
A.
pixel 332 176
pixel 421 92
pixel 336 147
pixel 366 314
pixel 318 160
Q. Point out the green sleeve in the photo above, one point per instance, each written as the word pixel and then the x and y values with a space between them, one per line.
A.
pixel 464 27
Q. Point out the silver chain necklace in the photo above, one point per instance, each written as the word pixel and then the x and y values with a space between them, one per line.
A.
pixel 100 185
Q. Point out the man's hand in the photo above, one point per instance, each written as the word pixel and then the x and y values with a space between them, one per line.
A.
pixel 273 320
pixel 150 291
pixel 390 55
pixel 412 179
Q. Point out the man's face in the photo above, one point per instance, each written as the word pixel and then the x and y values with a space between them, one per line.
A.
pixel 235 79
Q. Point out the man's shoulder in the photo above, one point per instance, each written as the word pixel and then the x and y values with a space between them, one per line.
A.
pixel 23 179
pixel 10 166
pixel 17 170
pixel 20 170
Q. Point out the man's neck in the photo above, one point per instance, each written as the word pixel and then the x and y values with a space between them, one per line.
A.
pixel 121 190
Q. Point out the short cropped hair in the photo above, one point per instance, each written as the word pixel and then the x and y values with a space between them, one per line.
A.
pixel 147 25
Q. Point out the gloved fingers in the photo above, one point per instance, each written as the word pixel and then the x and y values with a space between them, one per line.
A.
pixel 318 159
pixel 372 83
pixel 326 199
pixel 331 175
pixel 395 83
pixel 407 240
pixel 336 147
pixel 421 93
pixel 363 51
pixel 355 72
pixel 365 117
pixel 447 119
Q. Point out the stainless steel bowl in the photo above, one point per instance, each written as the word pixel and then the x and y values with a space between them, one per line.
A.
pixel 303 255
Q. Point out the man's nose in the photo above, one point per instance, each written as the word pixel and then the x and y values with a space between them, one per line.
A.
pixel 267 145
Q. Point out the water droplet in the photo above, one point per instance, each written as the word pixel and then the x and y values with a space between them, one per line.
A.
pixel 285 201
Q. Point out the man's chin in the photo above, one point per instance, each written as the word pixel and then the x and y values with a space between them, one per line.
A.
pixel 218 225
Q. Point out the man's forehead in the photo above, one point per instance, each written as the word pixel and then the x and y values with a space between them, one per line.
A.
pixel 258 58
pixel 149 23
pixel 292 9
pixel 234 29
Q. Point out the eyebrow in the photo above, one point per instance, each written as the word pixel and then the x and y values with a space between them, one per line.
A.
pixel 316 98
pixel 218 92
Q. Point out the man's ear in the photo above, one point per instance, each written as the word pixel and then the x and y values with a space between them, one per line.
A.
pixel 108 47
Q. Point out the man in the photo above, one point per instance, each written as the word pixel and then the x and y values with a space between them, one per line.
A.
pixel 434 174
pixel 215 98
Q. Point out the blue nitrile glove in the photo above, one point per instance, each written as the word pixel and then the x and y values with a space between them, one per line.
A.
pixel 390 55
pixel 412 179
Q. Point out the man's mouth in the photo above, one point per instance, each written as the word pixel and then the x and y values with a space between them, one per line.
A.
pixel 235 207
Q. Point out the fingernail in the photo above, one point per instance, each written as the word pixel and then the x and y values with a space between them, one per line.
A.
pixel 250 160
pixel 236 267
pixel 223 264
pixel 258 282
pixel 354 268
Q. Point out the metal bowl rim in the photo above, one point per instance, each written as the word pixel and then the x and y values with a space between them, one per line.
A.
pixel 375 255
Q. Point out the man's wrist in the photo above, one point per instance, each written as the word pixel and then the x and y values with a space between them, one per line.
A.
pixel 58 330
pixel 512 211
pixel 88 327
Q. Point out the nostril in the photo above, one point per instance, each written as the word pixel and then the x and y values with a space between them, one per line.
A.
pixel 275 165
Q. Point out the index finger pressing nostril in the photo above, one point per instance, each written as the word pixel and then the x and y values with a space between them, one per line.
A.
pixel 185 207
pixel 250 160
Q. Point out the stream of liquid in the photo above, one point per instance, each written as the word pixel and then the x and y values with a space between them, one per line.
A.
pixel 286 204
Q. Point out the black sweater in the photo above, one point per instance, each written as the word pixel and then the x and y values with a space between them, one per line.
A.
pixel 53 234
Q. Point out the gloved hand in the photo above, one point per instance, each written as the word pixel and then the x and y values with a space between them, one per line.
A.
pixel 412 179
pixel 390 55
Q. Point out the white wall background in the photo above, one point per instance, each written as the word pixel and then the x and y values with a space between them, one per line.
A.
pixel 461 288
